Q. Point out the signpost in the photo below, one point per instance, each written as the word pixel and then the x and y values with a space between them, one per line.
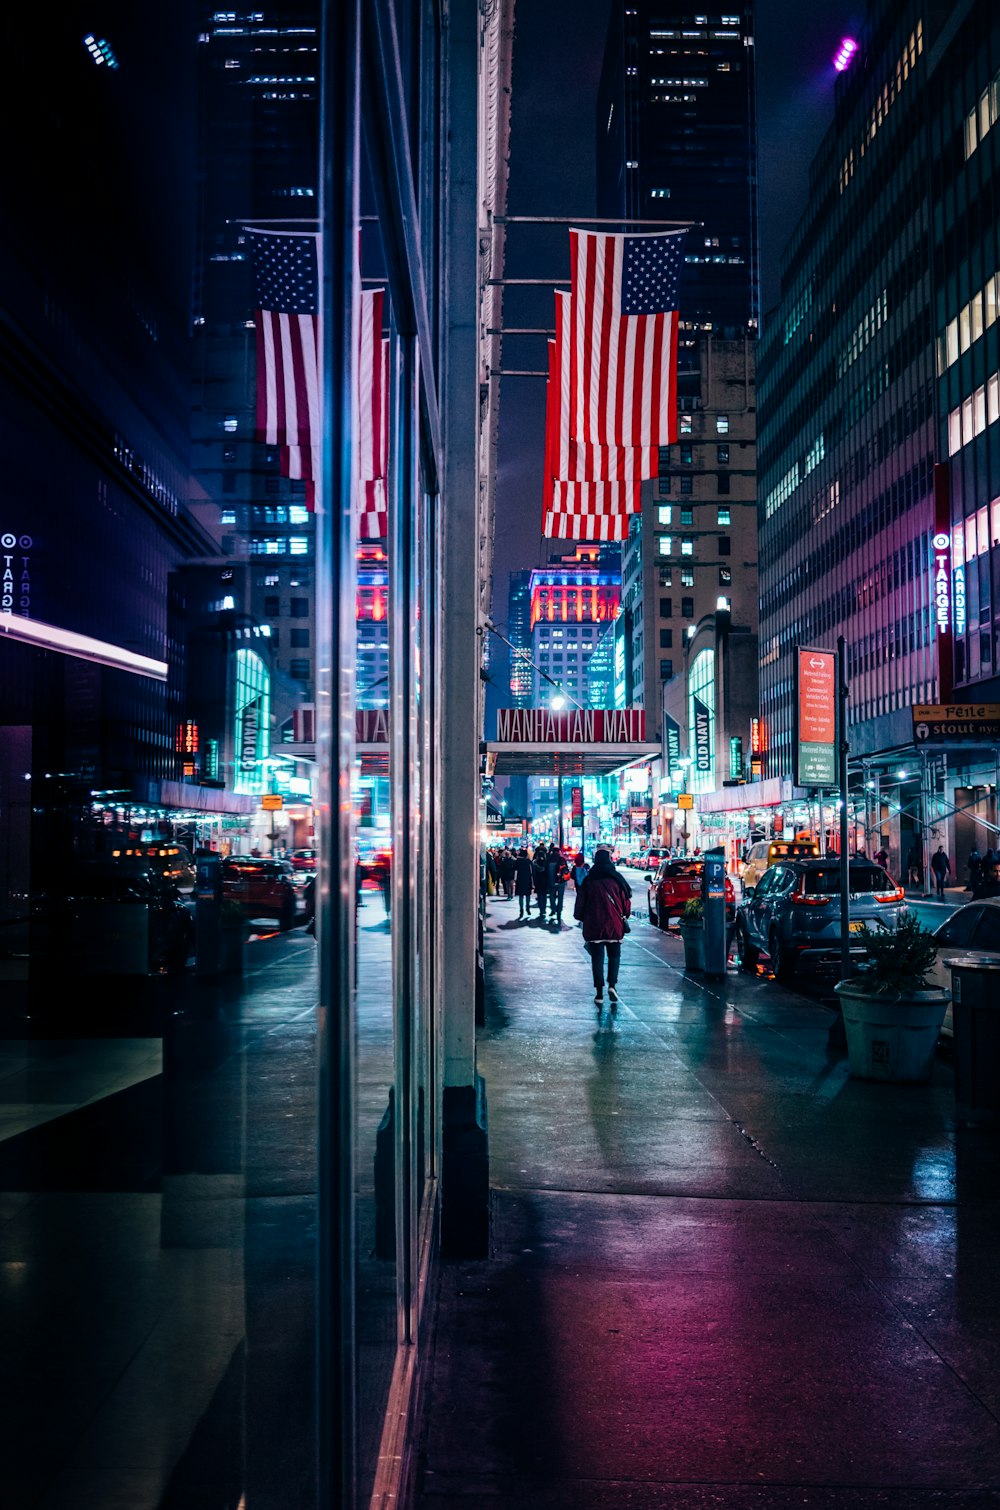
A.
pixel 576 797
pixel 815 716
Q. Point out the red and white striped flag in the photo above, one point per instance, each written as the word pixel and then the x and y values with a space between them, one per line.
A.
pixel 623 352
pixel 590 491
pixel 580 460
pixel 373 418
pixel 286 272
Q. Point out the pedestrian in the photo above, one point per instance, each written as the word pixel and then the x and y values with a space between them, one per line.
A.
pixel 557 875
pixel 523 882
pixel 941 866
pixel 540 876
pixel 882 857
pixel 505 865
pixel 603 904
pixel 914 866
pixel 988 884
pixel 579 870
pixel 977 865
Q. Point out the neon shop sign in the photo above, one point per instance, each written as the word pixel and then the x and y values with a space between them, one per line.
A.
pixel 949 588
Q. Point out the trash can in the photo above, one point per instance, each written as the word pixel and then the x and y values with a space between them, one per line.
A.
pixel 975 1006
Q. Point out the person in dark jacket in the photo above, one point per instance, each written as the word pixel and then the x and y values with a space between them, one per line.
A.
pixel 988 884
pixel 540 875
pixel 558 875
pixel 523 882
pixel 505 865
pixel 603 902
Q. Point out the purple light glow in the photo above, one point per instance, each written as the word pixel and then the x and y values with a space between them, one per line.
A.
pixel 845 52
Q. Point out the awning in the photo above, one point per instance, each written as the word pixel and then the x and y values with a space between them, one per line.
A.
pixel 598 759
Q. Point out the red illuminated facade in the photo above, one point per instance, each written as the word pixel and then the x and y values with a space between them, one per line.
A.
pixel 571 600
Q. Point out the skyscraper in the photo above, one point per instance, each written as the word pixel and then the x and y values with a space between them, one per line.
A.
pixel 676 140
pixel 880 415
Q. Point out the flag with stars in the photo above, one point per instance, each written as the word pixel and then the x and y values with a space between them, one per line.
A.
pixel 286 274
pixel 590 492
pixel 623 351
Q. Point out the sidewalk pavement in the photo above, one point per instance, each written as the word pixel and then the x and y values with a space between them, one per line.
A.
pixel 724 1274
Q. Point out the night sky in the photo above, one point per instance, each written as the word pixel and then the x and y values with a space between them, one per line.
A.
pixel 558 47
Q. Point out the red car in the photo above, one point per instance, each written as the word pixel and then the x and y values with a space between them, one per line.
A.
pixel 263 888
pixel 304 859
pixel 674 884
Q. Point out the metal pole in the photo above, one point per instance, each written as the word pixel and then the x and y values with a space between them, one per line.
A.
pixel 560 812
pixel 925 822
pixel 843 750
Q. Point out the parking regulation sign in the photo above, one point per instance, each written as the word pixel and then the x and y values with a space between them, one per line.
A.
pixel 815 716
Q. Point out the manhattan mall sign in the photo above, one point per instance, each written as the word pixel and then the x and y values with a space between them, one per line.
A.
pixel 577 742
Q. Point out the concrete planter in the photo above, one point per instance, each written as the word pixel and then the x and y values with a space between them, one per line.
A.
pixel 892 1039
pixel 693 934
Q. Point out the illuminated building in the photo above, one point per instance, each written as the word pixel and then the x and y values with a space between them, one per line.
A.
pixel 519 634
pixel 880 414
pixel 676 140
pixel 258 151
pixel 571 601
pixel 373 627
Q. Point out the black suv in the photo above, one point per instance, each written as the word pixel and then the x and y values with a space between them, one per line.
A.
pixel 793 915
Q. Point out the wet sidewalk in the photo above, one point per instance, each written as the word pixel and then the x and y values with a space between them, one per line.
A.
pixel 724 1274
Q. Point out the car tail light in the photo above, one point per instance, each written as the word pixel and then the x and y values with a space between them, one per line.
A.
pixel 895 895
pixel 805 898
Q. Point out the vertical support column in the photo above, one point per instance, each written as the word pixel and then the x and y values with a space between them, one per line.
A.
pixel 340 136
pixel 464 1159
pixel 403 778
pixel 925 820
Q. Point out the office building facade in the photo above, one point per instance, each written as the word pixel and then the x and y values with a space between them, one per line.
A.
pixel 879 433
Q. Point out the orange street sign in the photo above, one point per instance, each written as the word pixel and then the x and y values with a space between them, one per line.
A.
pixel 272 802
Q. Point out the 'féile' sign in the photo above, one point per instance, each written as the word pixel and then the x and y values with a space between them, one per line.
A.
pixel 538 726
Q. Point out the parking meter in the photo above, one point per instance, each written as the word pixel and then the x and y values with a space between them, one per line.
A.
pixel 713 897
pixel 208 913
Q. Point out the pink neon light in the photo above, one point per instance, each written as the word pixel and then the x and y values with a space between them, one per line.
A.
pixel 845 52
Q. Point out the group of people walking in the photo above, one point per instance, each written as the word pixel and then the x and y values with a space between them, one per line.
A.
pixel 602 906
pixel 543 875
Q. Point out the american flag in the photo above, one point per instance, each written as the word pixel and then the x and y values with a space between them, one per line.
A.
pixel 623 352
pixel 580 460
pixel 286 270
pixel 287 284
pixel 589 491
pixel 373 415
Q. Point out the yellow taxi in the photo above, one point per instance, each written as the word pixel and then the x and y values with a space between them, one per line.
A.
pixel 769 851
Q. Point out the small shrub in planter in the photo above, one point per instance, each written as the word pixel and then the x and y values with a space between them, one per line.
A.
pixel 892 1015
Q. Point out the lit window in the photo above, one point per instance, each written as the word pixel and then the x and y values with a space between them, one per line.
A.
pixel 297 514
pixel 659 193
pixel 298 545
pixel 684 424
pixel 228 516
pixel 687 547
pixel 666 545
pixel 687 516
pixel 687 580
pixel 723 516
pixel 722 424
pixel 664 512
pixel 230 424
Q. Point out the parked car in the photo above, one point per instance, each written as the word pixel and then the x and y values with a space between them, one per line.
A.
pixel 172 861
pixel 674 884
pixel 768 852
pixel 123 917
pixel 972 929
pixel 793 914
pixel 304 859
pixel 263 888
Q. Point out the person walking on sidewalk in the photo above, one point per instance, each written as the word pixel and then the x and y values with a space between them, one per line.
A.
pixel 580 870
pixel 603 903
pixel 540 875
pixel 941 866
pixel 523 883
pixel 914 866
pixel 558 875
pixel 505 865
